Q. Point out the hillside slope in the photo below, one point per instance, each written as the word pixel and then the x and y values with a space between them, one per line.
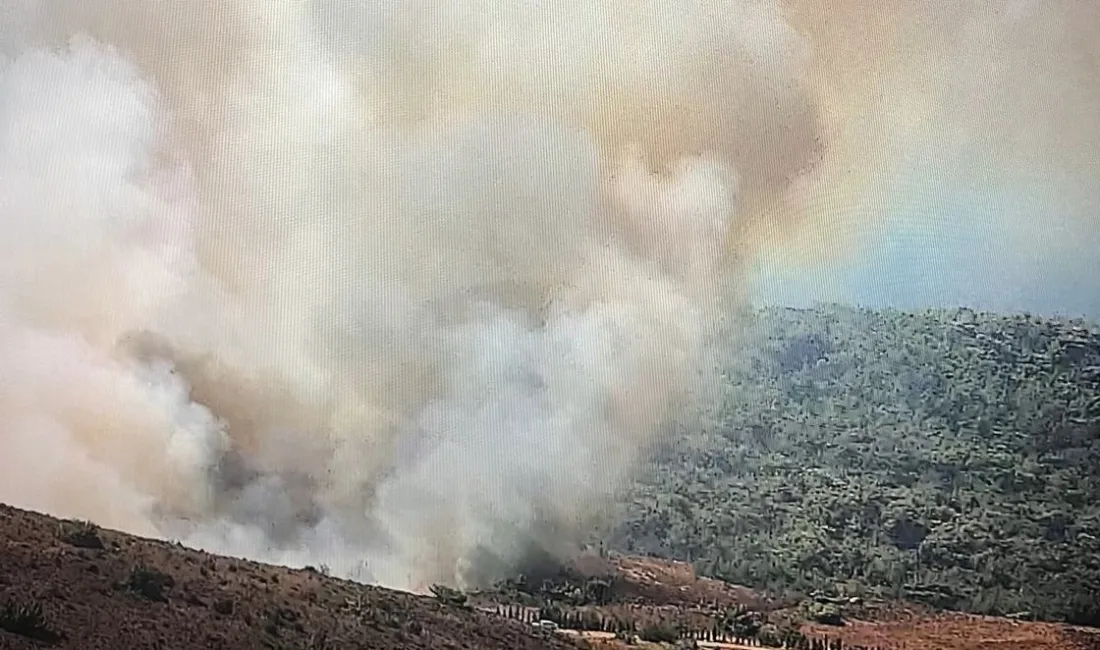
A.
pixel 101 590
pixel 71 585
pixel 948 457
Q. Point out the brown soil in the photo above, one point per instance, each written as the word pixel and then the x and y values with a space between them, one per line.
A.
pixel 666 582
pixel 944 631
pixel 106 599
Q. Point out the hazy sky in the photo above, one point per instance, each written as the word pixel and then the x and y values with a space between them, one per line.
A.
pixel 977 151
pixel 997 246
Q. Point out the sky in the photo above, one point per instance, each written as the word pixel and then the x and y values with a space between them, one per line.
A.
pixel 995 247
pixel 972 134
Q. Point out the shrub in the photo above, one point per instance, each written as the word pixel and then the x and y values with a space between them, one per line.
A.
pixel 26 619
pixel 149 583
pixel 448 595
pixel 660 633
pixel 81 534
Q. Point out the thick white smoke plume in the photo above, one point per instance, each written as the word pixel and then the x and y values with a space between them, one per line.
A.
pixel 399 287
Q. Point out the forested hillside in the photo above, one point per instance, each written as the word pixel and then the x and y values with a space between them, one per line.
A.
pixel 948 457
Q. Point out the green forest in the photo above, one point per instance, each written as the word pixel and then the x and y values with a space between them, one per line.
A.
pixel 946 457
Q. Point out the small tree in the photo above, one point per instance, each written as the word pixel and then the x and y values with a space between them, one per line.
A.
pixel 448 595
pixel 660 633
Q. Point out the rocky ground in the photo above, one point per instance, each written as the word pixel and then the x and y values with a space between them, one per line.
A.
pixel 71 585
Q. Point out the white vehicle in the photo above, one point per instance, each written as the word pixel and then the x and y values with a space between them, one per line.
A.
pixel 547 626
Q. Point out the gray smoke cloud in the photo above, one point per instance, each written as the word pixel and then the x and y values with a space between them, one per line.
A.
pixel 401 288
pixel 397 287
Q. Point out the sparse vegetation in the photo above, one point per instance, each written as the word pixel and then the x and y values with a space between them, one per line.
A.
pixel 948 457
pixel 81 534
pixel 26 619
pixel 149 583
pixel 448 595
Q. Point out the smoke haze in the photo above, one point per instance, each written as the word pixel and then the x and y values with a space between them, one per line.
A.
pixel 406 287
pixel 966 169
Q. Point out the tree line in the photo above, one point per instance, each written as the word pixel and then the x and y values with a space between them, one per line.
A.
pixel 627 628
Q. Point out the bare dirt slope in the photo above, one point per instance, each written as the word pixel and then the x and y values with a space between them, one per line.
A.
pixel 948 631
pixel 666 582
pixel 102 590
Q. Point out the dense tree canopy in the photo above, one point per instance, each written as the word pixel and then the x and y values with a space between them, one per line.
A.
pixel 949 457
